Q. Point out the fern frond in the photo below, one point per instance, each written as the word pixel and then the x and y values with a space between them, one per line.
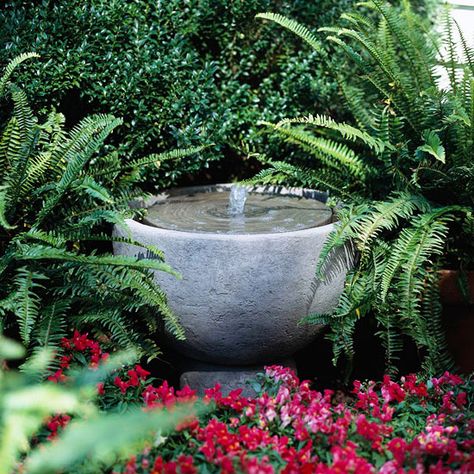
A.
pixel 439 358
pixel 94 189
pixel 430 231
pixel 468 52
pixel 53 324
pixel 3 207
pixel 295 28
pixel 41 252
pixel 155 159
pixel 347 131
pixel 385 215
pixel 340 238
pixel 330 152
pixel 8 71
pixel 85 139
pixel 452 60
pixel 27 301
pixel 389 333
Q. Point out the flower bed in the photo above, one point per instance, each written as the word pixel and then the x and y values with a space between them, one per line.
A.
pixel 389 427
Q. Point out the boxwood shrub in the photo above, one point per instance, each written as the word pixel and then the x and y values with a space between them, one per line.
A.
pixel 180 72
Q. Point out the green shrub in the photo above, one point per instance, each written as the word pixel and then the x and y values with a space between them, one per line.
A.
pixel 405 169
pixel 178 73
pixel 57 191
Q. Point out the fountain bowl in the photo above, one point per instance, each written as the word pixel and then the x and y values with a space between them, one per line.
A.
pixel 241 296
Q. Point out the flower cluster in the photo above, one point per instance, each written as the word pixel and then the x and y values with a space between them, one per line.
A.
pixel 127 385
pixel 135 377
pixel 391 428
pixel 410 426
pixel 57 423
pixel 78 346
pixel 80 349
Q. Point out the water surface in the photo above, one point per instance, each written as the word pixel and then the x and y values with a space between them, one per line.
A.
pixel 263 213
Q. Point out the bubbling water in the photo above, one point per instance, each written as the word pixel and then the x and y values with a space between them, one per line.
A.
pixel 237 212
pixel 237 199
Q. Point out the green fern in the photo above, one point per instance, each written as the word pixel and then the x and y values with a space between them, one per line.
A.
pixel 11 68
pixel 295 28
pixel 57 194
pixel 27 301
pixel 404 169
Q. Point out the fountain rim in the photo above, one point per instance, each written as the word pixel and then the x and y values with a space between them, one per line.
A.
pixel 261 189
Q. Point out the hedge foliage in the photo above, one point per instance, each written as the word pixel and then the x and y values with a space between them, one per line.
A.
pixel 179 72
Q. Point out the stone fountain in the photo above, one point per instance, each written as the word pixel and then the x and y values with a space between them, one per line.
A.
pixel 248 257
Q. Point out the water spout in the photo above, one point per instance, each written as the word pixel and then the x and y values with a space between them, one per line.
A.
pixel 237 199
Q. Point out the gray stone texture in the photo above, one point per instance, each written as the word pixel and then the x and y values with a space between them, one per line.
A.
pixel 200 376
pixel 241 296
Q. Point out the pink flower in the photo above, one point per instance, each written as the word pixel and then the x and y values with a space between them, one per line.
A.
pixel 282 374
pixel 391 467
pixel 254 466
pixel 392 391
pixel 398 447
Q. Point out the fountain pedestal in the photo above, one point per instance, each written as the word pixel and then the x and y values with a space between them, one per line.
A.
pixel 200 376
pixel 242 295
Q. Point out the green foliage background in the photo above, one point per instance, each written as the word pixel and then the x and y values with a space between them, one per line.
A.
pixel 404 168
pixel 179 73
pixel 59 192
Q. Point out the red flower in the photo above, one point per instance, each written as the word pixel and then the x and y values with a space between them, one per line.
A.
pixel 133 380
pixel 369 430
pixel 450 379
pixel 213 394
pixel 411 386
pixel 64 362
pixel 80 341
pixel 461 399
pixel 121 384
pixel 149 395
pixel 365 398
pixel 392 391
pixel 55 423
pixel 186 394
pixel 141 372
pixel 57 377
pixel 398 447
pixel 186 465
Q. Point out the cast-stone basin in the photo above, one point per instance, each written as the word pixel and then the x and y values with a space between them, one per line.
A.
pixel 241 296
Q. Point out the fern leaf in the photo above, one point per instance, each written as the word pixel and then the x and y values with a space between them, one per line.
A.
pixel 27 301
pixel 41 252
pixel 94 189
pixel 329 152
pixel 295 28
pixel 3 206
pixel 347 131
pixel 11 68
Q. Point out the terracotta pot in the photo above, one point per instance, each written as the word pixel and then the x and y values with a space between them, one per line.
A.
pixel 458 318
